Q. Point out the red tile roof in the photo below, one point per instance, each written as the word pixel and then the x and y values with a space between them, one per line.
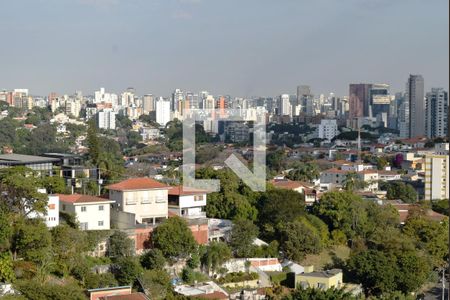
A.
pixel 78 198
pixel 133 296
pixel 287 184
pixel 181 191
pixel 142 183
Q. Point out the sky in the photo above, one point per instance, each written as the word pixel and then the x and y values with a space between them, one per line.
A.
pixel 243 48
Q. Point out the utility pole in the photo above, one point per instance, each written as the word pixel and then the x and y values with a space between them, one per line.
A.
pixel 443 284
pixel 99 182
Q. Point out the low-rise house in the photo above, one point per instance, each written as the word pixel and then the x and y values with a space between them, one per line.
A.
pixel 389 175
pixel 336 178
pixel 206 290
pixel 323 280
pixel 146 198
pixel 115 293
pixel 51 216
pixel 187 203
pixel 406 209
pixel 93 213
pixel 303 188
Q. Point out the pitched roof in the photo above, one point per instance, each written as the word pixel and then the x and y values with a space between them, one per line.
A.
pixel 78 198
pixel 288 184
pixel 142 183
pixel 133 296
pixel 181 191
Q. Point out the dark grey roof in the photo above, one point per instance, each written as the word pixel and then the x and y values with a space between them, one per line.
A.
pixel 20 159
pixel 323 274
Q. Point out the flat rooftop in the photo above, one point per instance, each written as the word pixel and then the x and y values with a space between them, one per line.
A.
pixel 19 159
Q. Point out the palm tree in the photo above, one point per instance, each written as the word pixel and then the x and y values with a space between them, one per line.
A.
pixel 305 172
pixel 353 182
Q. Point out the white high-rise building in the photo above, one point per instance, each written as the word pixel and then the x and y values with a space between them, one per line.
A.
pixel 285 105
pixel 328 129
pixel 162 112
pixel 436 113
pixel 106 119
pixel 103 96
pixel 436 177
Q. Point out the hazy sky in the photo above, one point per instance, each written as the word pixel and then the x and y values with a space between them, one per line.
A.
pixel 237 47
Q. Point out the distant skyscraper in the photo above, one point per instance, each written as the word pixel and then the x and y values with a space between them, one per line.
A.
pixel 415 98
pixel 359 100
pixel 380 100
pixel 285 105
pixel 303 94
pixel 177 96
pixel 148 103
pixel 436 113
pixel 162 112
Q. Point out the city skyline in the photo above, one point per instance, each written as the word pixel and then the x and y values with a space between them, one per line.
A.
pixel 223 47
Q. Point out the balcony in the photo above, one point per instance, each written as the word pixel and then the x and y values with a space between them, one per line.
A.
pixel 195 216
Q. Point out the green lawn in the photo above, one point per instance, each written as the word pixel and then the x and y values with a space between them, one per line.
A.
pixel 328 257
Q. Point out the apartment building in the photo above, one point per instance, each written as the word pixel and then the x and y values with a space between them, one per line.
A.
pixel 436 177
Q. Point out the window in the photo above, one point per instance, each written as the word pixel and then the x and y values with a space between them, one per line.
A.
pixel 83 208
pixel 100 207
pixel 84 226
pixel 146 200
pixel 64 207
pixel 100 223
pixel 160 199
pixel 198 198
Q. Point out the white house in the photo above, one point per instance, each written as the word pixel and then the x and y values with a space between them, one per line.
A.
pixel 187 203
pixel 93 213
pixel 51 216
pixel 146 198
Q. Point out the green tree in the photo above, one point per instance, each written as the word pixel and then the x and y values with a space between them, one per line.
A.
pixel 6 230
pixel 94 281
pixel 275 160
pixel 216 254
pixel 194 261
pixel 402 191
pixel 299 238
pixel 342 211
pixel 304 172
pixel 383 272
pixel 120 245
pixel 279 205
pixel 319 294
pixel 156 283
pixel 19 189
pixel 353 182
pixel 93 143
pixel 34 290
pixel 153 259
pixel 243 234
pixel 430 236
pixel 6 267
pixel 54 185
pixel 126 270
pixel 174 238
pixel 68 246
pixel 31 240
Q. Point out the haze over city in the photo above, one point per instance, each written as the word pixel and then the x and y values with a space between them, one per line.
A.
pixel 241 48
